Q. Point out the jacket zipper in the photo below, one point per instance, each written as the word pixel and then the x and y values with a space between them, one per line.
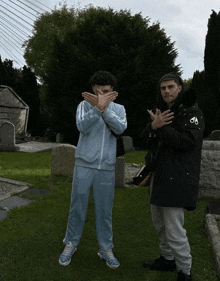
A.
pixel 103 141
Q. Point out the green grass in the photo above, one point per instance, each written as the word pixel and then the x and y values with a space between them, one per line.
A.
pixel 135 157
pixel 31 237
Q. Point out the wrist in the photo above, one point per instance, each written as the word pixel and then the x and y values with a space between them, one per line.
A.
pixel 101 108
pixel 153 127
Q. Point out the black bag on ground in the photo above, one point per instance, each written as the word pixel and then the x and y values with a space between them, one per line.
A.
pixel 149 167
pixel 142 175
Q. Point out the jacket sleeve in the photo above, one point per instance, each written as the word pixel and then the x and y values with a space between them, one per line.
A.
pixel 86 118
pixel 186 138
pixel 149 135
pixel 117 121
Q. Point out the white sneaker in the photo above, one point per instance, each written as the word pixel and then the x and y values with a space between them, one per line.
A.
pixel 109 257
pixel 65 257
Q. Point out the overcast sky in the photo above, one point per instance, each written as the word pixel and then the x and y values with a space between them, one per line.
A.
pixel 185 22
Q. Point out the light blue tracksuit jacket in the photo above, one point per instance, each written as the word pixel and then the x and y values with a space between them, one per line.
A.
pixel 96 147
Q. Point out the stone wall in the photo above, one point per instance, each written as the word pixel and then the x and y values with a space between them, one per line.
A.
pixel 210 169
pixel 16 116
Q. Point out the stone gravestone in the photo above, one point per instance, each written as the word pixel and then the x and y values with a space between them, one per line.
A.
pixel 128 143
pixel 209 184
pixel 7 137
pixel 120 172
pixel 62 163
pixel 59 138
pixel 62 160
pixel 215 135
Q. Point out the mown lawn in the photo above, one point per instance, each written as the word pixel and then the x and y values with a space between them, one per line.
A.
pixel 31 237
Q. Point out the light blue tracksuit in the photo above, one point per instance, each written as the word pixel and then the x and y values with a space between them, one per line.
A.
pixel 95 159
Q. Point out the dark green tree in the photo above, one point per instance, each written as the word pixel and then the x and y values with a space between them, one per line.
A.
pixel 9 75
pixel 137 53
pixel 49 27
pixel 207 82
pixel 30 94
pixel 211 56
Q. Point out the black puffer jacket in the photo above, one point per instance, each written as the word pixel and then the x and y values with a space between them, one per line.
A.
pixel 179 147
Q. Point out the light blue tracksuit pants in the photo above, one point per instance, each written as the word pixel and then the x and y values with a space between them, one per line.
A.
pixel 103 183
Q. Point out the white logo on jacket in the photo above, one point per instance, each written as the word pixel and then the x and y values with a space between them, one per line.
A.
pixel 194 120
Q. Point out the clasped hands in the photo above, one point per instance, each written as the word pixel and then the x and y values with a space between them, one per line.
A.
pixel 100 101
pixel 160 119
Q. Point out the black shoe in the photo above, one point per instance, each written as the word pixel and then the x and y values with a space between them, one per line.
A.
pixel 160 264
pixel 183 277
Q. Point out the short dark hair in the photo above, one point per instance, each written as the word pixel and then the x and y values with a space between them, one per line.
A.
pixel 172 76
pixel 103 78
pixel 161 104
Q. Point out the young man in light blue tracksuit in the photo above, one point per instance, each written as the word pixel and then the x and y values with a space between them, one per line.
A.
pixel 95 159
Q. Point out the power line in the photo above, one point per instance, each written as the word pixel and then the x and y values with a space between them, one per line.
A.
pixel 14 26
pixel 9 43
pixel 25 27
pixel 11 37
pixel 16 20
pixel 28 6
pixel 12 31
pixel 8 52
pixel 17 15
pixel 21 7
pixel 43 5
pixel 37 5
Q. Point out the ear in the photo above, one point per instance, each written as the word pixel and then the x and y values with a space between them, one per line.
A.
pixel 180 88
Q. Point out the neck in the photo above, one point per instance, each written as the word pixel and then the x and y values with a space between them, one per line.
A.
pixel 169 104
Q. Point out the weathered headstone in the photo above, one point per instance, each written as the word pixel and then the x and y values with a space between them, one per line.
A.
pixel 128 143
pixel 62 163
pixel 210 169
pixel 120 172
pixel 7 137
pixel 215 135
pixel 7 133
pixel 62 160
pixel 58 138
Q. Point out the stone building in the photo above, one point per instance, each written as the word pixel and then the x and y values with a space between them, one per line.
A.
pixel 13 109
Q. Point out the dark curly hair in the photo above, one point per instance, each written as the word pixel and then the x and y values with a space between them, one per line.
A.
pixel 103 78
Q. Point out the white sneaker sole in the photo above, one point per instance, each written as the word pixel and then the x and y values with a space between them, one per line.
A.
pixel 64 264
pixel 68 262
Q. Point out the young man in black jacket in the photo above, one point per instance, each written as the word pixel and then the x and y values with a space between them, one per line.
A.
pixel 176 134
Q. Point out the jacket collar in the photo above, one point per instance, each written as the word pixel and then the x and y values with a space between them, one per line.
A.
pixel 186 100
